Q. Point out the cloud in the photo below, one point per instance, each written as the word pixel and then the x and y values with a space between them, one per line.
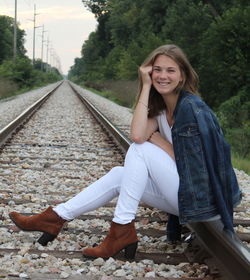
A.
pixel 65 13
pixel 73 50
pixel 50 14
pixel 62 17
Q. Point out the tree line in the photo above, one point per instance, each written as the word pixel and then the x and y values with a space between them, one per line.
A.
pixel 19 74
pixel 215 35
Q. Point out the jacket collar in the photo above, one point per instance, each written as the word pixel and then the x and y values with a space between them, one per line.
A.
pixel 182 95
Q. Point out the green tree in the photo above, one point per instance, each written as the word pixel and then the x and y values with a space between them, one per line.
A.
pixel 225 55
pixel 102 34
pixel 76 70
pixel 213 34
pixel 22 73
pixel 92 58
pixel 117 48
pixel 19 71
pixel 129 20
pixel 132 57
pixel 217 8
pixel 186 22
pixel 234 116
pixel 6 39
pixel 97 7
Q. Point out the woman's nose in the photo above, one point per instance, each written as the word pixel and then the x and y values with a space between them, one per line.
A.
pixel 163 75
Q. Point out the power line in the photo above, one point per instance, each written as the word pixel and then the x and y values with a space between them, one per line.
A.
pixel 29 4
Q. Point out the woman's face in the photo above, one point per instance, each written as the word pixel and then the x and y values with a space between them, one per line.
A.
pixel 166 75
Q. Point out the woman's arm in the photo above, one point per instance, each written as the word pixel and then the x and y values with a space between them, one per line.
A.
pixel 165 145
pixel 141 126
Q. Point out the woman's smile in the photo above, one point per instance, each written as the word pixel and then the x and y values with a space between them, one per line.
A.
pixel 166 74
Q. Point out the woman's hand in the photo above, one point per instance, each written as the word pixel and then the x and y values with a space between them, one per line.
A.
pixel 141 126
pixel 159 141
pixel 146 75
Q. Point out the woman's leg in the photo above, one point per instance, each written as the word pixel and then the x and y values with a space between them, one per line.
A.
pixel 92 197
pixel 149 175
pixel 51 221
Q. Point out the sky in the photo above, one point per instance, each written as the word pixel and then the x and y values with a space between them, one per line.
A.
pixel 67 24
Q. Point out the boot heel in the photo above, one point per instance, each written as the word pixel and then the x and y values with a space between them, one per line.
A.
pixel 45 238
pixel 130 250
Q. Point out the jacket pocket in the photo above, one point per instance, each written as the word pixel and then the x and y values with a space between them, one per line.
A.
pixel 190 138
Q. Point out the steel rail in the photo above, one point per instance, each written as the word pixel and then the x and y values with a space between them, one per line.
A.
pixel 231 255
pixel 114 132
pixel 9 129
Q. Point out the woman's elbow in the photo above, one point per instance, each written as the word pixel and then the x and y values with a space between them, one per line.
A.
pixel 137 139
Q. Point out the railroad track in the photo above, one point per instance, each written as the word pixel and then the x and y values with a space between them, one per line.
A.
pixel 44 167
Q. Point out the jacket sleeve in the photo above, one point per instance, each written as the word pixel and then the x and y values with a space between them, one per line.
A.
pixel 217 155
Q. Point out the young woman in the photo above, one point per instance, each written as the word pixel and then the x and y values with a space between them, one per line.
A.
pixel 179 162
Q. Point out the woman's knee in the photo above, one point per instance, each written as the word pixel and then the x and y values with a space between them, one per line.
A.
pixel 140 146
pixel 145 148
pixel 117 173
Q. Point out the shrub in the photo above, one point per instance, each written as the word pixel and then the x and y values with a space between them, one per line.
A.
pixel 7 88
pixel 122 92
pixel 235 120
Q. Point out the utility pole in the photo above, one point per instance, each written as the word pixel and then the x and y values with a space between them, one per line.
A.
pixel 52 56
pixel 43 31
pixel 15 32
pixel 47 55
pixel 34 34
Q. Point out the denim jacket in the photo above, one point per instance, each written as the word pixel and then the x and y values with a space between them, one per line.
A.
pixel 208 185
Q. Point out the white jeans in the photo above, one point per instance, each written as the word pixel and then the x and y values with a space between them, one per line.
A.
pixel 149 174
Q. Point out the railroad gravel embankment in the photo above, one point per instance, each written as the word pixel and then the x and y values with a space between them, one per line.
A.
pixel 70 164
pixel 11 107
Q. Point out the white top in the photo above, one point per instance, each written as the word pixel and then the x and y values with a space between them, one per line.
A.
pixel 164 128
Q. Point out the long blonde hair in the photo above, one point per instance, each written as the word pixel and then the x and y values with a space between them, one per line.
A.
pixel 189 77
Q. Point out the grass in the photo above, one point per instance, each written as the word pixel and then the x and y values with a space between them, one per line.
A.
pixel 9 95
pixel 107 94
pixel 7 88
pixel 121 92
pixel 241 163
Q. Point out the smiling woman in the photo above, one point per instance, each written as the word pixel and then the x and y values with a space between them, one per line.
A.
pixel 166 64
pixel 177 163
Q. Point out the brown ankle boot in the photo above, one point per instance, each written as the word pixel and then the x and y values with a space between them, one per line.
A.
pixel 48 222
pixel 119 237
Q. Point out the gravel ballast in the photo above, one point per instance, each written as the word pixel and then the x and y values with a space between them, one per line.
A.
pixel 68 180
